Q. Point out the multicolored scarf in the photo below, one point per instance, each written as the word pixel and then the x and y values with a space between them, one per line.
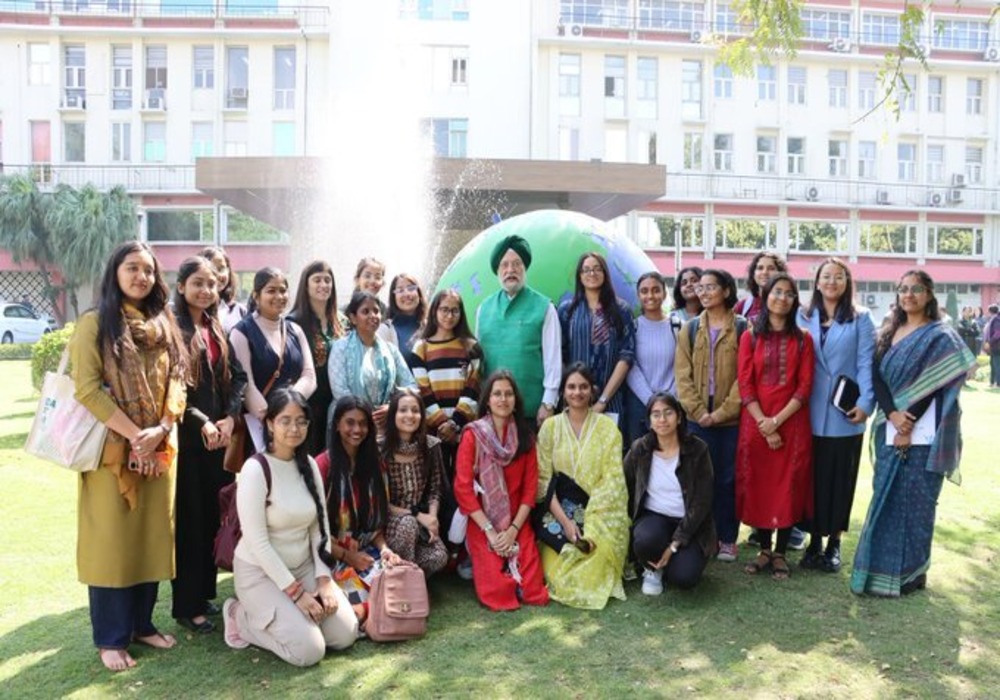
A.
pixel 492 455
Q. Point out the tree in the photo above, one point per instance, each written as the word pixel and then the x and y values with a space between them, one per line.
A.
pixel 22 227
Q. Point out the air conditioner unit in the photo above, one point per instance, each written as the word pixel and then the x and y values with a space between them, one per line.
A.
pixel 561 29
pixel 154 103
pixel 576 30
pixel 958 179
pixel 992 54
pixel 870 300
pixel 73 101
pixel 840 45
pixel 697 36
pixel 935 199
pixel 881 196
pixel 954 196
pixel 812 194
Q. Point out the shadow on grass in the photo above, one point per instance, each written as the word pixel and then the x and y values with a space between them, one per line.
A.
pixel 15 416
pixel 14 441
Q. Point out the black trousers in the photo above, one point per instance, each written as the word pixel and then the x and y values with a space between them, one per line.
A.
pixel 652 533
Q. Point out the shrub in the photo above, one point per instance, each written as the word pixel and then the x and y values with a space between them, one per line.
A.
pixel 46 353
pixel 15 351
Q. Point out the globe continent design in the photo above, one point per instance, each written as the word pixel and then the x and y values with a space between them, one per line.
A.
pixel 558 238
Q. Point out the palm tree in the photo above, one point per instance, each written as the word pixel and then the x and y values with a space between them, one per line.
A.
pixel 22 228
pixel 85 226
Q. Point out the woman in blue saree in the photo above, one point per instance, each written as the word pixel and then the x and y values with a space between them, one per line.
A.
pixel 921 364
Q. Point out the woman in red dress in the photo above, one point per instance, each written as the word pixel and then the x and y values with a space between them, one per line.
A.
pixel 774 453
pixel 496 477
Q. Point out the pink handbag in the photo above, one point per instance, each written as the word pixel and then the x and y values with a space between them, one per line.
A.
pixel 398 605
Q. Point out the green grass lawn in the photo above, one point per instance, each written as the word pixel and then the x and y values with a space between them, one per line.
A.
pixel 734 636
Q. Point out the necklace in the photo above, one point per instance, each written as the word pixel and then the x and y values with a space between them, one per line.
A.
pixel 407 449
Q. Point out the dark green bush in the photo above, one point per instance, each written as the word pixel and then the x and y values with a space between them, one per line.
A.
pixel 15 351
pixel 46 352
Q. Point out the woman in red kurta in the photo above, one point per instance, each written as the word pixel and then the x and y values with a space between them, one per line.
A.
pixel 774 453
pixel 496 477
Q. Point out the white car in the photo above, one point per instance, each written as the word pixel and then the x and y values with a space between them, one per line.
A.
pixel 19 324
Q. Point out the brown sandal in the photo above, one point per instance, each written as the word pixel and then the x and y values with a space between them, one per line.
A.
pixel 779 568
pixel 761 563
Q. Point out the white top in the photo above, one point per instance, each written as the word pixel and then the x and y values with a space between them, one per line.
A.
pixel 283 535
pixel 663 492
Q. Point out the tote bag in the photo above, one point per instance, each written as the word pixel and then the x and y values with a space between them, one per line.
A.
pixel 64 431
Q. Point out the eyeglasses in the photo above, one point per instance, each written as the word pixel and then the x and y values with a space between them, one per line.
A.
pixel 449 311
pixel 297 423
pixel 591 270
pixel 665 413
pixel 409 288
pixel 779 294
pixel 914 288
pixel 706 288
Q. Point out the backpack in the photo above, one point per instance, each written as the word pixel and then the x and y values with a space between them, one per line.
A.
pixel 741 325
pixel 229 533
pixel 398 604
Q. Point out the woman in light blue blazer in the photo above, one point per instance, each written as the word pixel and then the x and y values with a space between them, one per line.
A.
pixel 844 340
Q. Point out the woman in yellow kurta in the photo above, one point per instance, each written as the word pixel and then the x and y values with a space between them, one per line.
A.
pixel 582 518
pixel 125 543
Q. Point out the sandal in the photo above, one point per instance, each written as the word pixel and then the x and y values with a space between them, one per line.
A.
pixel 761 563
pixel 779 568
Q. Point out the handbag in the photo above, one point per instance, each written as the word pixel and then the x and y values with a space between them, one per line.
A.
pixel 64 432
pixel 230 532
pixel 398 605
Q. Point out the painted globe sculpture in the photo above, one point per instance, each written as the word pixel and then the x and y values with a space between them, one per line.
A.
pixel 558 238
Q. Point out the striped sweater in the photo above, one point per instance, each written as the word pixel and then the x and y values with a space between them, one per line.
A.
pixel 447 373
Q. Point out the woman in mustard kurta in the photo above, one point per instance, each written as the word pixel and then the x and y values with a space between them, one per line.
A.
pixel 582 518
pixel 125 543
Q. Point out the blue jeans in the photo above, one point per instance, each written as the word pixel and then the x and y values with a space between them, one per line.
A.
pixel 994 367
pixel 118 615
pixel 721 443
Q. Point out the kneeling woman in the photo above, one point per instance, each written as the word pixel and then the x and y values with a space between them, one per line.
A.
pixel 496 474
pixel 414 468
pixel 287 601
pixel 584 502
pixel 670 486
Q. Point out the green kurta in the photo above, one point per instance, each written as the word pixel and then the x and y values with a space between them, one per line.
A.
pixel 118 547
pixel 594 462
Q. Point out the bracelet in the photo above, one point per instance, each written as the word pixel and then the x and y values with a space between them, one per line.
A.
pixel 488 526
pixel 774 422
pixel 298 596
pixel 515 526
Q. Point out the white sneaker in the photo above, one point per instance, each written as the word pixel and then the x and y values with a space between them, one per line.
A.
pixel 652 582
pixel 464 570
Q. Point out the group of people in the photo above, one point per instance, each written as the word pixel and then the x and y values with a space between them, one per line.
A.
pixel 553 447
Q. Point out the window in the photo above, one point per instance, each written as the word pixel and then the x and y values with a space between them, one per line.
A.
pixel 955 240
pixel 614 86
pixel 668 231
pixel 691 90
pixel 39 64
pixel 204 67
pixel 935 93
pixel 569 84
pixel 121 77
pixel 284 77
pixel 202 140
pixel 837 158
pixel 237 77
pixel 882 30
pixel 459 68
pixel 723 81
pixel 796 155
pixel 121 142
pixel 647 70
pixel 438 10
pixel 961 34
pixel 450 137
pixel 866 160
pixel 818 236
pixel 767 83
pixel 190 226
pixel 906 158
pixel 889 238
pixel 235 138
pixel 866 90
pixel 607 13
pixel 283 137
pixel 906 92
pixel 935 162
pixel 836 81
pixel 694 144
pixel 154 142
pixel 825 24
pixel 723 152
pixel 767 154
pixel 75 142
pixel 746 234
pixel 74 76
pixel 569 143
pixel 974 96
pixel 974 164
pixel 156 67
pixel 671 14
pixel 243 228
pixel 796 85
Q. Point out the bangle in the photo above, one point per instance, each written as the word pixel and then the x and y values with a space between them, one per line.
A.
pixel 298 595
pixel 604 400
pixel 515 526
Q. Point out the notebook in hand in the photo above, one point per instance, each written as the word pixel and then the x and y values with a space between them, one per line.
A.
pixel 845 394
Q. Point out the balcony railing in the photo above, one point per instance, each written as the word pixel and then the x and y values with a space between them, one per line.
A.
pixel 133 177
pixel 704 187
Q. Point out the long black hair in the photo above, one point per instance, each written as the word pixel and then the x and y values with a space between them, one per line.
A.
pixel 779 262
pixel 277 401
pixel 227 293
pixel 366 468
pixel 584 371
pixel 392 440
pixel 525 435
pixel 394 310
pixel 898 318
pixel 844 311
pixel 304 314
pixel 607 297
pixel 462 329
pixel 260 280
pixel 762 324
pixel 192 338
pixel 679 301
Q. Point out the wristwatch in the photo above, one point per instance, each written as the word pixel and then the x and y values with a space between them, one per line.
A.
pixel 488 526
pixel 673 548
pixel 604 400
pixel 547 406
